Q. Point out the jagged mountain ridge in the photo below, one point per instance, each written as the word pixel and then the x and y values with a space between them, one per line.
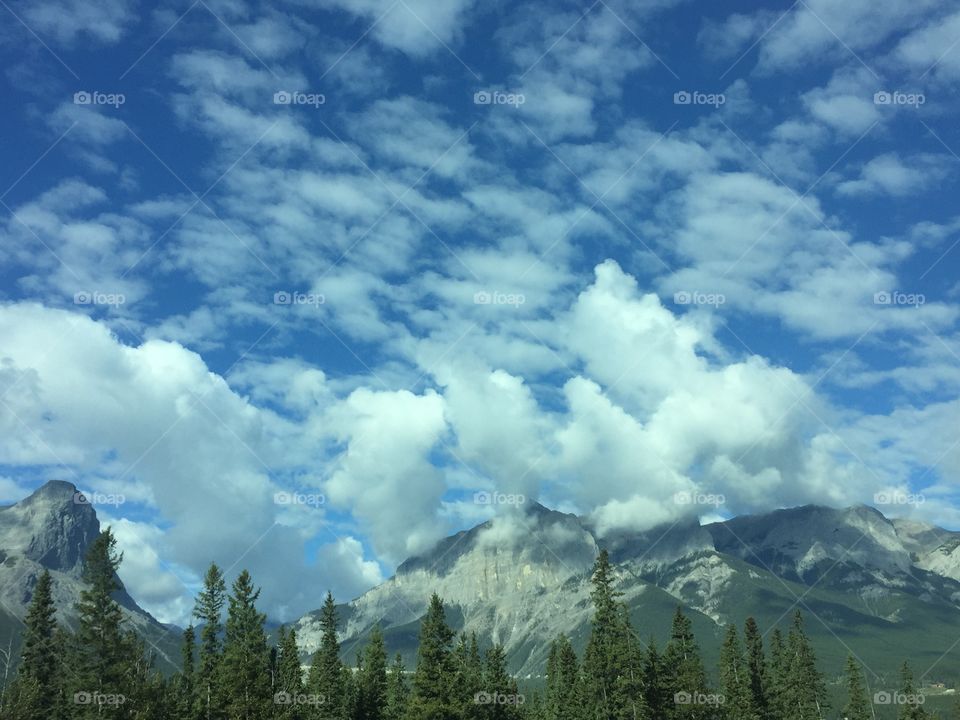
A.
pixel 51 529
pixel 521 579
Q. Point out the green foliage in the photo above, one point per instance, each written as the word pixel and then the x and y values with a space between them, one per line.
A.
pixel 611 679
pixel 910 700
pixel 245 668
pixel 804 689
pixel 209 611
pixel 371 680
pixel 289 677
pixel 38 689
pixel 560 701
pixel 433 697
pixel 756 668
pixel 858 703
pixel 735 679
pixel 397 691
pixel 106 668
pixel 685 675
pixel 327 678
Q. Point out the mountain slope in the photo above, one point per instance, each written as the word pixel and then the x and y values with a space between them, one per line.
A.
pixel 884 589
pixel 52 529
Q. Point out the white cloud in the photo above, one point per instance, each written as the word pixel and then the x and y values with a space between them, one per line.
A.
pixel 415 27
pixel 888 174
pixel 69 20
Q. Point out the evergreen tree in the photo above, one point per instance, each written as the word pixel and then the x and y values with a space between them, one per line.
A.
pixel 735 679
pixel 561 691
pixel 686 676
pixel 185 687
pixel 245 667
pixel 372 679
pixel 289 684
pixel 779 672
pixel 756 667
pixel 858 703
pixel 433 697
pixel 499 687
pixel 658 696
pixel 37 687
pixel 911 700
pixel 611 678
pixel 105 663
pixel 209 611
pixel 327 677
pixel 805 692
pixel 397 691
pixel 468 676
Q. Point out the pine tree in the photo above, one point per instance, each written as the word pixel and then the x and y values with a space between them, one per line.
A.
pixel 245 668
pixel 105 662
pixel 397 691
pixel 468 679
pixel 735 679
pixel 185 687
pixel 779 671
pixel 372 679
pixel 327 677
pixel 611 679
pixel 858 703
pixel 562 674
pixel 805 692
pixel 686 676
pixel 37 685
pixel 911 700
pixel 433 697
pixel 756 667
pixel 500 688
pixel 658 696
pixel 209 611
pixel 289 685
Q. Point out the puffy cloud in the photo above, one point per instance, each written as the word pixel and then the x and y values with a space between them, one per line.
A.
pixel 888 174
pixel 385 477
pixel 157 414
pixel 415 27
pixel 69 20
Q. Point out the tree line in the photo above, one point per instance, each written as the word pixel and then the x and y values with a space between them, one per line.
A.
pixel 230 670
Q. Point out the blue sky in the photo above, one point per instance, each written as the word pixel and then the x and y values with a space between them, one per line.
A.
pixel 297 280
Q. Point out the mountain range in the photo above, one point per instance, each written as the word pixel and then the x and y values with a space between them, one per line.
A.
pixel 883 589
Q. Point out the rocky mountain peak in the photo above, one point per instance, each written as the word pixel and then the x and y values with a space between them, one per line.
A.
pixel 52 527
